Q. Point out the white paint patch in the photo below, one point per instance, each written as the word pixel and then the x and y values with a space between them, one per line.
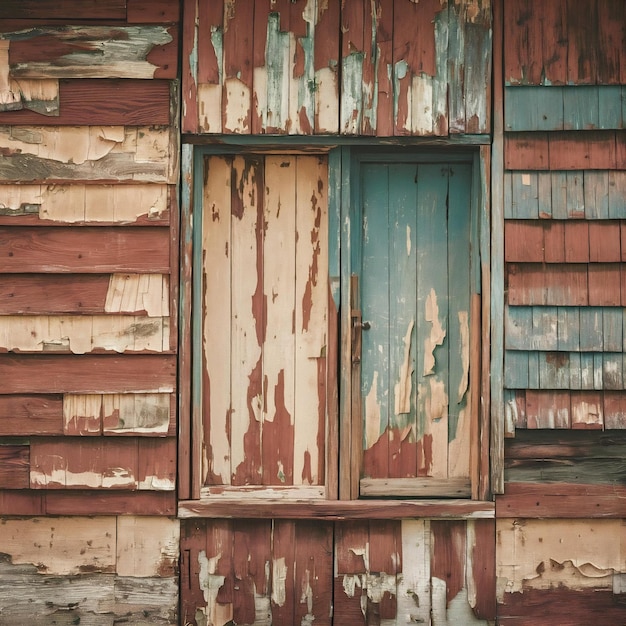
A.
pixel 210 584
pixel 404 387
pixel 379 584
pixel 408 240
pixel 464 327
pixel 372 414
pixel 279 577
pixel 237 106
pixel 437 333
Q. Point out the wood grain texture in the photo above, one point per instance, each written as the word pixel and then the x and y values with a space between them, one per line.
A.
pixel 87 374
pixel 47 249
pixel 111 102
pixel 93 52
pixel 68 9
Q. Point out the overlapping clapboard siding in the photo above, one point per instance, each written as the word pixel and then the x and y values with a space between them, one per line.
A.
pixel 564 209
pixel 291 572
pixel 305 67
pixel 88 325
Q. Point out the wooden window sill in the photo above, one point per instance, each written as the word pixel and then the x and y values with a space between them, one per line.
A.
pixel 336 509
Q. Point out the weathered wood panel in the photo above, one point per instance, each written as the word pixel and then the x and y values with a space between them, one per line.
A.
pixel 571 580
pixel 268 213
pixel 90 463
pixel 569 150
pixel 93 52
pixel 68 9
pixel 563 42
pixel 90 294
pixel 263 69
pixel 563 108
pixel 112 102
pixel 87 373
pixel 27 249
pixel 87 153
pixel 592 195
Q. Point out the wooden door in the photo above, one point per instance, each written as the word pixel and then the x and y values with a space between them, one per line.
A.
pixel 413 266
pixel 261 298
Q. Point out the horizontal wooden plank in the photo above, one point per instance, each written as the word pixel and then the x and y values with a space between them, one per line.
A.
pixel 80 334
pixel 102 463
pixel 561 500
pixel 14 466
pixel 559 328
pixel 28 374
pixel 93 52
pixel 87 153
pixel 454 487
pixel 563 195
pixel 563 370
pixel 119 414
pixel 566 444
pixel 68 9
pixel 533 241
pixel 336 509
pixel 59 204
pixel 86 250
pixel 152 11
pixel 569 107
pixel 106 102
pixel 31 415
pixel 89 294
pixel 546 284
pixel 568 150
pixel 80 502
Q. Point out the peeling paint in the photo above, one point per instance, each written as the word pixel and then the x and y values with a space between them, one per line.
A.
pixel 437 333
pixel 464 327
pixel 372 414
pixel 404 387
pixel 279 577
pixel 210 584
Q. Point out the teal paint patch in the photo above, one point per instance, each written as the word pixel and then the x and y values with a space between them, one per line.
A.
pixel 277 64
pixel 217 41
pixel 400 71
pixel 351 93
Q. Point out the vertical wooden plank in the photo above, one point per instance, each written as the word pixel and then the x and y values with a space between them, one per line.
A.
pixel 432 320
pixel 352 59
pixel 189 421
pixel 326 53
pixel 314 573
pixel 481 550
pixel 460 261
pixel 376 362
pixel 525 195
pixel 414 585
pixel 237 72
pixel 283 596
pixel 248 315
pixel 554 242
pixel 209 46
pixel 568 329
pixel 192 543
pixel 278 55
pixel 614 409
pixel 216 318
pixel 577 242
pixel 581 108
pixel 596 185
pixel 311 317
pixel 497 256
pixel 218 585
pixel 587 410
pixel 448 550
pixel 384 565
pixel 279 286
pixel 604 242
pixel 591 339
pixel 351 566
pixel 402 227
pixel 384 97
pixel 582 42
pixel 189 58
pixel 617 195
pixel 604 284
pixel 611 69
pixel 251 554
pixel 553 19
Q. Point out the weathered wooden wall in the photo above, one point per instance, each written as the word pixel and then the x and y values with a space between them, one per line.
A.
pixel 564 190
pixel 361 572
pixel 382 68
pixel 88 311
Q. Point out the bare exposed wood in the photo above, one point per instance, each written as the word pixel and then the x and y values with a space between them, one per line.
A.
pixel 451 487
pixel 338 509
pixel 14 466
